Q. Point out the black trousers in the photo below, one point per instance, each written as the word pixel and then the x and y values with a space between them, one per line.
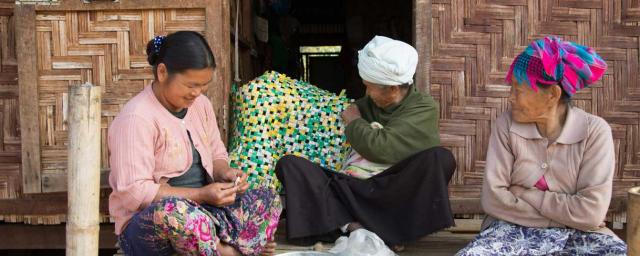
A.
pixel 401 204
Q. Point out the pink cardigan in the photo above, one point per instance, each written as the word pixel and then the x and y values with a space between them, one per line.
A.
pixel 578 168
pixel 147 143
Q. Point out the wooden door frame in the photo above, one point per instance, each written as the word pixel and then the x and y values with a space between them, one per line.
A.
pixel 217 33
pixel 422 40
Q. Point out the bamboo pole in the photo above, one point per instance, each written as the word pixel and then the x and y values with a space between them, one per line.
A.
pixel 83 171
pixel 633 222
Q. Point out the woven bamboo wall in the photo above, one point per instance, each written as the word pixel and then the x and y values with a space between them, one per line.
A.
pixel 9 122
pixel 106 48
pixel 473 44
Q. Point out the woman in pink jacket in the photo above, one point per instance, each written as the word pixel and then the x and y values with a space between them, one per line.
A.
pixel 173 189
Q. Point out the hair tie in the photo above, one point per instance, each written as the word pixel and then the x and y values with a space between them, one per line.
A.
pixel 158 41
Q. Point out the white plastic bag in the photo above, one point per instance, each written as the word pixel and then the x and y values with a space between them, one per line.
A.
pixel 306 253
pixel 361 242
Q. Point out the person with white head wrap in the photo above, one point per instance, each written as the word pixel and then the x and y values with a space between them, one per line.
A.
pixel 385 61
pixel 394 126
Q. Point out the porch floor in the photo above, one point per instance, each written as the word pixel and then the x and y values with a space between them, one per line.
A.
pixel 441 243
pixel 446 242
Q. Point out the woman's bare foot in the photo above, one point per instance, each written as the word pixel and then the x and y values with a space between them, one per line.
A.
pixel 269 249
pixel 353 226
pixel 227 250
pixel 397 248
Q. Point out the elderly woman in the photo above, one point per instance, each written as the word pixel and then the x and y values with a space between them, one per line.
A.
pixel 395 129
pixel 548 177
pixel 173 189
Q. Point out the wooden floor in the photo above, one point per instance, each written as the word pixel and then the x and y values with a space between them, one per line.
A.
pixel 21 239
pixel 439 244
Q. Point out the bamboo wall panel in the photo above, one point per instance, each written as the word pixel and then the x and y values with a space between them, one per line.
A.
pixel 473 43
pixel 106 48
pixel 9 111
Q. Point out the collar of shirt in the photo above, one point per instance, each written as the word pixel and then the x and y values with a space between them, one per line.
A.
pixel 574 129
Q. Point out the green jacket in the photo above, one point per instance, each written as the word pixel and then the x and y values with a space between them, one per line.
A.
pixel 410 126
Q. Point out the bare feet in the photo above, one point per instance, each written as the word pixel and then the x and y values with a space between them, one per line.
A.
pixel 269 249
pixel 227 250
pixel 353 226
pixel 397 248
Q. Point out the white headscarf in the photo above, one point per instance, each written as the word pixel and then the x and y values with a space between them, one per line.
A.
pixel 386 61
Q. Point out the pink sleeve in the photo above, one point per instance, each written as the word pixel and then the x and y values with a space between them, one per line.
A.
pixel 218 149
pixel 131 146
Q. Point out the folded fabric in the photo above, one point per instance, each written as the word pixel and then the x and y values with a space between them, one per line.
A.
pixel 359 167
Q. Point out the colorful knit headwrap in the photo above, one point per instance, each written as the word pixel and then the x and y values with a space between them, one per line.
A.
pixel 553 61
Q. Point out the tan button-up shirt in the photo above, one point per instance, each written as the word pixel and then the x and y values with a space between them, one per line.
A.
pixel 578 168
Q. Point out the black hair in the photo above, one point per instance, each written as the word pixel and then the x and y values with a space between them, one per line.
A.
pixel 405 86
pixel 179 52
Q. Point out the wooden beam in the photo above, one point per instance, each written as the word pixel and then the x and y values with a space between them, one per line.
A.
pixel 124 5
pixel 422 40
pixel 23 236
pixel 633 221
pixel 56 203
pixel 25 16
pixel 57 182
pixel 218 34
pixel 465 205
pixel 45 204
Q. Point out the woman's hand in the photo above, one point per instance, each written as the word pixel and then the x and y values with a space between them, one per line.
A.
pixel 218 194
pixel 351 113
pixel 231 174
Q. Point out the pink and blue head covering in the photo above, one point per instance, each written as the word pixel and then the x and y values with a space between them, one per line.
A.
pixel 553 61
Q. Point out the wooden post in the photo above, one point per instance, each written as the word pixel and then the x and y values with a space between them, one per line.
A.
pixel 633 222
pixel 83 170
pixel 25 26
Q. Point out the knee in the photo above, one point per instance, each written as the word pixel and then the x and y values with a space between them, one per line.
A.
pixel 284 164
pixel 447 157
pixel 442 156
pixel 288 159
pixel 438 152
pixel 173 205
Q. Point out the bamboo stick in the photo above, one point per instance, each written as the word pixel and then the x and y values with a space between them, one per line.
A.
pixel 83 221
pixel 633 222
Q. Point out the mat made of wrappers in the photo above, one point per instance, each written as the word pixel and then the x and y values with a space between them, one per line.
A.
pixel 274 116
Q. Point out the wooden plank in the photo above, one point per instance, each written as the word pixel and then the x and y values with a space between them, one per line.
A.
pixel 56 203
pixel 219 38
pixel 45 204
pixel 422 41
pixel 125 5
pixel 23 236
pixel 28 82
pixel 56 181
pixel 466 225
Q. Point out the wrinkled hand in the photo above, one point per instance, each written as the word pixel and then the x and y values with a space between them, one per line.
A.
pixel 230 175
pixel 351 113
pixel 218 194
